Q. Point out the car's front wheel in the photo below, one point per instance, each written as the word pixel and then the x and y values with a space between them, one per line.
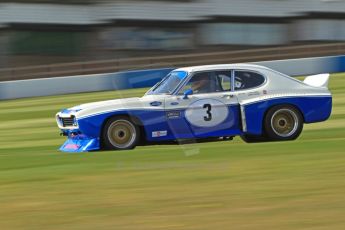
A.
pixel 120 133
pixel 283 122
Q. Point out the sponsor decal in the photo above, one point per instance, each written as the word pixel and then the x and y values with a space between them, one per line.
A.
pixel 155 103
pixel 72 146
pixel 159 133
pixel 173 114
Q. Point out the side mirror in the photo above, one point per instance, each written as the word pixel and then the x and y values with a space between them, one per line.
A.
pixel 186 93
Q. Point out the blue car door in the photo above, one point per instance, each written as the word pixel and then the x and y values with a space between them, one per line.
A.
pixel 205 113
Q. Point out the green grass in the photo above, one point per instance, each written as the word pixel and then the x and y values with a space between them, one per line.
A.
pixel 224 185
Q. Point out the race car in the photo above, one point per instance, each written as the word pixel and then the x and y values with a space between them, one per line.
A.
pixel 201 103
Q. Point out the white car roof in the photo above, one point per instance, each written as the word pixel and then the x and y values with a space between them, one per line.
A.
pixel 223 66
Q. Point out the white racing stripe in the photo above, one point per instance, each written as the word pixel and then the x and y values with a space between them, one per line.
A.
pixel 276 96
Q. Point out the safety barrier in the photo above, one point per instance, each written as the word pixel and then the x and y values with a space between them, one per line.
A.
pixel 147 78
pixel 78 84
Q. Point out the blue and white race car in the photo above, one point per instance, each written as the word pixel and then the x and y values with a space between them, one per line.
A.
pixel 201 103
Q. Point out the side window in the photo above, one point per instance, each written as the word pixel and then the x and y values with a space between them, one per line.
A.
pixel 203 82
pixel 247 80
pixel 224 79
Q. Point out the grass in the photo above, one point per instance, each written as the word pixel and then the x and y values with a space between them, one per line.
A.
pixel 224 185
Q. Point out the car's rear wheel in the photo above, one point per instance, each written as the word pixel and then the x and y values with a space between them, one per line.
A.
pixel 283 122
pixel 253 138
pixel 120 133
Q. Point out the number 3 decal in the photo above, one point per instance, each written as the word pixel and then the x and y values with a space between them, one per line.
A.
pixel 209 114
pixel 206 112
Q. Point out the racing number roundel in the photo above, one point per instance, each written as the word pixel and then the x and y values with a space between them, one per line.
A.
pixel 206 113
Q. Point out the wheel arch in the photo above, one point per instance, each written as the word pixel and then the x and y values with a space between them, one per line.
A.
pixel 136 120
pixel 268 128
pixel 255 115
pixel 283 104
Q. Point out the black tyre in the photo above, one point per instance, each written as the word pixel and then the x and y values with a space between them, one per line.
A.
pixel 283 122
pixel 120 133
pixel 253 139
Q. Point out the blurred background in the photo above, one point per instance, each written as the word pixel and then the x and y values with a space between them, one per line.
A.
pixel 42 32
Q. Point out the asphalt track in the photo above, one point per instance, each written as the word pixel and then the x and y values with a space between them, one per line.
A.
pixel 218 185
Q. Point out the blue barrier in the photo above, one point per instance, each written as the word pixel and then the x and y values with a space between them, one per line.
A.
pixel 340 63
pixel 138 79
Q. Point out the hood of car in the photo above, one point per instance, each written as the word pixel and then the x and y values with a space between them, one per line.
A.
pixel 94 108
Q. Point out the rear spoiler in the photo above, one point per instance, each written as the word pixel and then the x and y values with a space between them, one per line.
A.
pixel 319 80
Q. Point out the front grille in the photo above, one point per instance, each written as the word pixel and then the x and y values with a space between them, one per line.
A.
pixel 67 121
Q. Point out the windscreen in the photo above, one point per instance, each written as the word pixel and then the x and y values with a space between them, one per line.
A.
pixel 169 83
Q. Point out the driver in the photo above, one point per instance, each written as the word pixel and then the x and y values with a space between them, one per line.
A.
pixel 201 84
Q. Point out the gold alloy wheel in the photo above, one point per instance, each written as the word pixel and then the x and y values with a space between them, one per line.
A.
pixel 284 122
pixel 121 134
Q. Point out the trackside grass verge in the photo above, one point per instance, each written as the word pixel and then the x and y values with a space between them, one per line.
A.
pixel 220 185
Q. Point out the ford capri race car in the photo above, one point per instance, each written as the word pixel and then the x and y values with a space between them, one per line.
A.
pixel 202 102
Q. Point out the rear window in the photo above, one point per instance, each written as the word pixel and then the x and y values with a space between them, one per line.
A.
pixel 247 80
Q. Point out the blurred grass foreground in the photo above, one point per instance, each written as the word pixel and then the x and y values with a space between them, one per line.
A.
pixel 225 185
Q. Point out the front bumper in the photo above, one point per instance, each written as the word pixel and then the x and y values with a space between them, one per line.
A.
pixel 80 143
